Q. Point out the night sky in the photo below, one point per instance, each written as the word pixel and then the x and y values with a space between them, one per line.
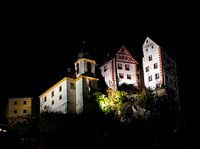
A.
pixel 40 40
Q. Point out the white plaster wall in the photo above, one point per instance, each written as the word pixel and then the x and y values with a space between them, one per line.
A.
pixel 132 71
pixel 154 51
pixel 79 95
pixel 108 73
pixel 57 103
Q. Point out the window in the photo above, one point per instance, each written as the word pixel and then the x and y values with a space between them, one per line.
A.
pixel 45 98
pixel 150 57
pixel 121 75
pixel 60 88
pixel 52 102
pixel 24 102
pixel 146 49
pixel 60 97
pixel 128 76
pixel 157 76
pixel 127 67
pixel 150 78
pixel 15 102
pixel 15 111
pixel 147 69
pixel 24 111
pixel 155 65
pixel 45 108
pixel 89 67
pixel 146 41
pixel 72 85
pixel 105 68
pixel 52 93
pixel 119 66
pixel 77 68
pixel 152 47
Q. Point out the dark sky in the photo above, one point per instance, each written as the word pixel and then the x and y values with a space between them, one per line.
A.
pixel 40 39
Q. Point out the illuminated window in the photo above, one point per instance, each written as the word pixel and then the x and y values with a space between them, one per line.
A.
pixel 119 66
pixel 121 75
pixel 150 78
pixel 15 111
pixel 24 102
pixel 127 67
pixel 24 111
pixel 60 97
pixel 147 69
pixel 150 57
pixel 52 102
pixel 157 76
pixel 52 93
pixel 15 102
pixel 60 88
pixel 155 65
pixel 128 76
pixel 105 68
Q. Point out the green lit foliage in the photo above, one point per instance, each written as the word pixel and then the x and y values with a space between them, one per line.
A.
pixel 126 106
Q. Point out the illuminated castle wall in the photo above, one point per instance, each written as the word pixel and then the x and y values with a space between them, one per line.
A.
pixel 158 68
pixel 69 94
pixel 122 68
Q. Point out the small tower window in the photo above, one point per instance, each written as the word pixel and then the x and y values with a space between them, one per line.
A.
pixel 77 68
pixel 89 68
pixel 24 111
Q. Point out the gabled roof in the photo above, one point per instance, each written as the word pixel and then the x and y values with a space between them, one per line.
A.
pixel 124 55
pixel 147 41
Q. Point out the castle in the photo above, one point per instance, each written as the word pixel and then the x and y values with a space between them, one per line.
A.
pixel 70 94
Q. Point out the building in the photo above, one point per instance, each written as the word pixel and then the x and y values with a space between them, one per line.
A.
pixel 120 69
pixel 19 107
pixel 70 95
pixel 158 68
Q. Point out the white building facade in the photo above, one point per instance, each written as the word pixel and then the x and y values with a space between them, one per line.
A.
pixel 158 68
pixel 121 69
pixel 70 94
